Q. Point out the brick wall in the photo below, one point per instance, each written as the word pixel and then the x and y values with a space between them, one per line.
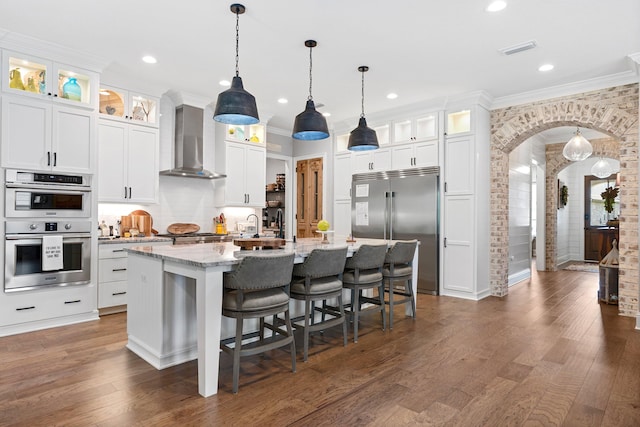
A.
pixel 613 111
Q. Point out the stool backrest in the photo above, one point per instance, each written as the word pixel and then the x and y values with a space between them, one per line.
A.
pixel 261 272
pixel 322 263
pixel 401 252
pixel 368 257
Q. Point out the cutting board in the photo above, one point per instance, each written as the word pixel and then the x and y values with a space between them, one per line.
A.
pixel 256 242
pixel 183 228
pixel 139 219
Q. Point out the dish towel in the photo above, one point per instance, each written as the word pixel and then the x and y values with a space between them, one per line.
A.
pixel 52 253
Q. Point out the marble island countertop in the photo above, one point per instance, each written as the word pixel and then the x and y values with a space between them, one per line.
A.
pixel 141 240
pixel 226 253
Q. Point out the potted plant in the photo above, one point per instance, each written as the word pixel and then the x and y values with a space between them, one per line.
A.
pixel 609 196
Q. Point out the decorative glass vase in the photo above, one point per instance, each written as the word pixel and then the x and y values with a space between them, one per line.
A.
pixel 72 90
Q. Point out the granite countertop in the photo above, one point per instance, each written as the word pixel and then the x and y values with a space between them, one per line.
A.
pixel 226 253
pixel 142 240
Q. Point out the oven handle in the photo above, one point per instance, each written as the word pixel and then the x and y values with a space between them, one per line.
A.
pixel 49 187
pixel 39 236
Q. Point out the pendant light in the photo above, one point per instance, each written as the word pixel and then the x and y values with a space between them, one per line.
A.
pixel 578 148
pixel 235 105
pixel 310 124
pixel 363 137
pixel 602 168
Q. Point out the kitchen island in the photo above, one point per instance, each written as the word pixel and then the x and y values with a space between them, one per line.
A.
pixel 175 301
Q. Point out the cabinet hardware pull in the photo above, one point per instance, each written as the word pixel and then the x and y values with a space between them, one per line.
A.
pixel 73 302
pixel 26 308
pixel 130 192
pixel 118 269
pixel 118 293
pixel 125 192
pixel 48 158
pixel 55 158
pixel 117 250
pixel 445 242
pixel 445 187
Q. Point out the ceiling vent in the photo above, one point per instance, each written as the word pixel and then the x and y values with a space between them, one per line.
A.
pixel 518 48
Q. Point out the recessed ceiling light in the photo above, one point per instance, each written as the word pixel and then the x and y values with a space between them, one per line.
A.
pixel 545 67
pixel 225 83
pixel 283 100
pixel 392 95
pixel 149 59
pixel 326 114
pixel 496 6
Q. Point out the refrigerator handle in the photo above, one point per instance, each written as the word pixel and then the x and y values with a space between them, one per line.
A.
pixel 386 215
pixel 391 214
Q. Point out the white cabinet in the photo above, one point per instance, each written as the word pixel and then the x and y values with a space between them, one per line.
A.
pixel 416 129
pixel 112 275
pixel 41 78
pixel 342 218
pixel 419 154
pixel 48 307
pixel 127 163
pixel 121 104
pixel 42 136
pixel 245 167
pixel 342 176
pixel 372 161
pixel 466 204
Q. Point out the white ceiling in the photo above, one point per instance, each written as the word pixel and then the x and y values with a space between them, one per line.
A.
pixel 419 49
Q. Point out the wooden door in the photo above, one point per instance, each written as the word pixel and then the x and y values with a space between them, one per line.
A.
pixel 308 196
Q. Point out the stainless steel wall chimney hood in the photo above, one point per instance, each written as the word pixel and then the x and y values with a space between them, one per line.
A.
pixel 188 145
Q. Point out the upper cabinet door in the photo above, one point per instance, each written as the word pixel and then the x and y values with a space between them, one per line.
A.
pixel 251 133
pixel 44 79
pixel 458 122
pixel 26 133
pixel 120 104
pixel 419 128
pixel 73 130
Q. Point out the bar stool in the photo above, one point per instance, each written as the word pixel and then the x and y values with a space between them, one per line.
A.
pixel 319 278
pixel 399 268
pixel 364 271
pixel 258 287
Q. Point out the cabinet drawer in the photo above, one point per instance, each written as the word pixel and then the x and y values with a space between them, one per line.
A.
pixel 39 305
pixel 112 294
pixel 112 251
pixel 112 270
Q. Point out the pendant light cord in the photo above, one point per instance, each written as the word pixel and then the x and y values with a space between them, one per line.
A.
pixel 237 40
pixel 362 115
pixel 310 74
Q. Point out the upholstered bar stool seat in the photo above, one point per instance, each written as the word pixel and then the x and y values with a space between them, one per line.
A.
pixel 398 267
pixel 257 288
pixel 319 278
pixel 364 271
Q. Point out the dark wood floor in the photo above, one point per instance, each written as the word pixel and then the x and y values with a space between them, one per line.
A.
pixel 548 354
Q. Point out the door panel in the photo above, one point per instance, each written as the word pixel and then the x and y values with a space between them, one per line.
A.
pixel 308 196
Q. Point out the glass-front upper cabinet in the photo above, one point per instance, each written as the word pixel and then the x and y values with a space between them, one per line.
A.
pixel 38 77
pixel 458 122
pixel 251 133
pixel 418 128
pixel 121 104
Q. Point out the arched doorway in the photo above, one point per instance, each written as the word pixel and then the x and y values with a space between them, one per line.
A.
pixel 612 111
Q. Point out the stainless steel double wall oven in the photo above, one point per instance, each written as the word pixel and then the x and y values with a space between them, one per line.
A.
pixel 37 205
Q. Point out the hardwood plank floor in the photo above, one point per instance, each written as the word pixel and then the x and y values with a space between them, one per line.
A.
pixel 547 354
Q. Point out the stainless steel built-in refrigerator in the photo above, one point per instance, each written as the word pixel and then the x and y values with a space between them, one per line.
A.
pixel 401 205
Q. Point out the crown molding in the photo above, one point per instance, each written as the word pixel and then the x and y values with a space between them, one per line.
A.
pixel 619 79
pixel 52 51
pixel 278 131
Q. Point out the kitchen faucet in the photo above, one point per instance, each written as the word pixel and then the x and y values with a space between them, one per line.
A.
pixel 257 234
